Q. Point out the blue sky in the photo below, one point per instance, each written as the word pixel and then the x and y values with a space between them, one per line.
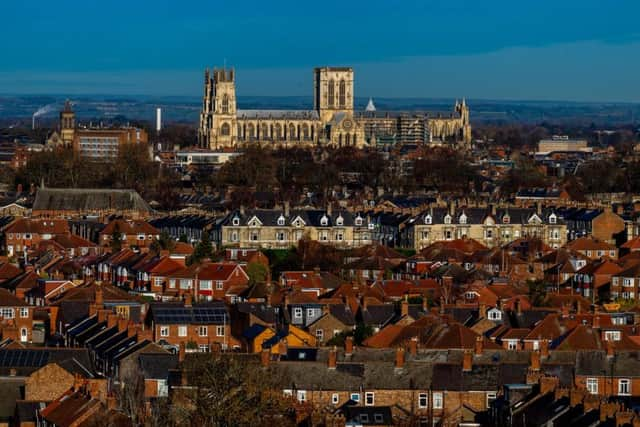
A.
pixel 562 49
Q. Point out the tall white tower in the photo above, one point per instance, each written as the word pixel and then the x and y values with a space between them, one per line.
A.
pixel 158 119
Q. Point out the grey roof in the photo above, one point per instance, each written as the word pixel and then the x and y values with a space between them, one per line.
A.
pixel 157 365
pixel 311 217
pixel 596 363
pixel 486 377
pixel 89 199
pixel 278 114
pixel 478 215
pixel 10 390
pixel 353 376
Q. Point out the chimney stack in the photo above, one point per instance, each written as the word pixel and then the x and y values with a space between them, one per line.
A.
pixel 182 352
pixel 404 307
pixel 399 358
pixel 479 347
pixel 610 348
pixel 596 322
pixel 544 348
pixel 467 361
pixel 99 298
pixel 333 358
pixel 413 346
pixel 348 346
pixel 265 357
pixel 535 360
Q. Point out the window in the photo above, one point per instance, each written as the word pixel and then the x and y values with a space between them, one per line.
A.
pixel 234 236
pixel 203 348
pixel 342 94
pixel 324 220
pixel 225 105
pixel 172 283
pixel 24 312
pixel 488 234
pixel 302 395
pixel 378 418
pixel 219 285
pixel 281 220
pixel 182 331
pixel 236 220
pixel 423 400
pixel 512 344
pixel 364 418
pixel 628 282
pixel 140 236
pixel 320 335
pixel 164 331
pixel 355 397
pixel 463 219
pixel 220 330
pixel 339 220
pixel 447 219
pixel 425 235
pixel 506 219
pixel 447 235
pixel 24 334
pixel 202 331
pixel 8 313
pixel 331 94
pixel 280 236
pixel 624 387
pixel 297 312
pixel 310 312
pixel 437 400
pixel 339 236
pixel 428 220
pixel 358 221
pixel 225 129
pixel 369 398
pixel 491 397
pixel 335 398
pixel 553 219
pixel 495 315
pixel 205 285
pixel 592 385
pixel 612 335
pixel 254 236
pixel 185 283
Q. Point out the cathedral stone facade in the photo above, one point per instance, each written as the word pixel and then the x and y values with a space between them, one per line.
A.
pixel 332 121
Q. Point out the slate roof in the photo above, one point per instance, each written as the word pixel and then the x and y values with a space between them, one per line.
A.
pixel 596 363
pixel 311 217
pixel 485 377
pixel 89 199
pixel 157 365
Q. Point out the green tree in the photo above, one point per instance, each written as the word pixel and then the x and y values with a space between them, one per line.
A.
pixel 257 272
pixel 226 390
pixel 203 249
pixel 115 241
pixel 164 243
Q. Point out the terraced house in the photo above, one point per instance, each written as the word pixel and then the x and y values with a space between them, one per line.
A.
pixel 490 226
pixel 283 228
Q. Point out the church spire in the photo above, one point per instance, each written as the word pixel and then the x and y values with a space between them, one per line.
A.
pixel 370 107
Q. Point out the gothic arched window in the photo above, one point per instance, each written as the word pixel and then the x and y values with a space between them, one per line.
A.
pixel 342 94
pixel 278 131
pixel 305 131
pixel 250 131
pixel 265 131
pixel 330 94
pixel 225 129
pixel 225 104
pixel 292 131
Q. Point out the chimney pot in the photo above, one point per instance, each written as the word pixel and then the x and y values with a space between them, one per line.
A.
pixel 333 358
pixel 399 358
pixel 348 345
pixel 467 361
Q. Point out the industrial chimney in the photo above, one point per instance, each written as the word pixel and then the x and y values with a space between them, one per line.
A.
pixel 158 119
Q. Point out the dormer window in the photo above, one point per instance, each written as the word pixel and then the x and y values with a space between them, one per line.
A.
pixel 463 219
pixel 236 220
pixel 281 220
pixel 447 219
pixel 506 219
pixel 324 220
pixel 358 221
pixel 340 220
pixel 553 219
pixel 371 226
pixel 428 220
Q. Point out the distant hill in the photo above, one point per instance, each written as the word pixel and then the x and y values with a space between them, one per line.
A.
pixel 186 109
